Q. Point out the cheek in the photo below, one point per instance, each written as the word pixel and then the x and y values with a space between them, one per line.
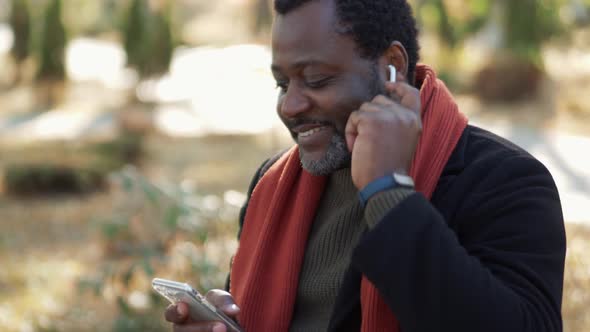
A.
pixel 280 98
pixel 337 105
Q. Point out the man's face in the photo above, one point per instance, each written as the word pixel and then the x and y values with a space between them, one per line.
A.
pixel 322 80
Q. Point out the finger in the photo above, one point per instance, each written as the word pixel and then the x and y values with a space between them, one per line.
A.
pixel 383 100
pixel 224 301
pixel 201 327
pixel 351 131
pixel 177 314
pixel 374 107
pixel 401 89
pixel 409 96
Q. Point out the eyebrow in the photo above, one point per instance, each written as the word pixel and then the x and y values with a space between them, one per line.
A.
pixel 300 64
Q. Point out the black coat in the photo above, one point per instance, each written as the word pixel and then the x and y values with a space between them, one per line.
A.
pixel 487 253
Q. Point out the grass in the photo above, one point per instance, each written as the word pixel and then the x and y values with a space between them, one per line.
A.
pixel 78 263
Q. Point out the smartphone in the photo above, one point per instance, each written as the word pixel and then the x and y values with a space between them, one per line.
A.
pixel 200 308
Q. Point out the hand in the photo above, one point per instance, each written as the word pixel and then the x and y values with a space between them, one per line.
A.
pixel 382 135
pixel 179 314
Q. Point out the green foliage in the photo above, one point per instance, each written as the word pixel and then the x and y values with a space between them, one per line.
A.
pixel 20 21
pixel 528 24
pixel 52 43
pixel 450 27
pixel 139 238
pixel 147 38
pixel 523 27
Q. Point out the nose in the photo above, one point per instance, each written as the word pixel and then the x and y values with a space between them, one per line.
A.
pixel 293 102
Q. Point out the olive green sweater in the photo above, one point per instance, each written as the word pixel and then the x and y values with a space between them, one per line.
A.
pixel 339 223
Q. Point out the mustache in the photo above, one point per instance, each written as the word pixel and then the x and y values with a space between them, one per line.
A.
pixel 300 122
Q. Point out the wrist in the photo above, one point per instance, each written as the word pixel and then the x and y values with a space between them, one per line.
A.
pixel 390 181
pixel 383 202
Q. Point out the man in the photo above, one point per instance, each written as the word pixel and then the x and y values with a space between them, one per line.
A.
pixel 335 236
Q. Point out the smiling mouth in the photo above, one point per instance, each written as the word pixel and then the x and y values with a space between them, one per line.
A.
pixel 311 132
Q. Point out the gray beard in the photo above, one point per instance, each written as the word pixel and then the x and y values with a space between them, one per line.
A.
pixel 337 157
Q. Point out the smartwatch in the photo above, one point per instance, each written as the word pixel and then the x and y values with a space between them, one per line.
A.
pixel 387 182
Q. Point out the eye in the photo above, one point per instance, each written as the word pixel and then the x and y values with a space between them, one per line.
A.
pixel 283 86
pixel 317 83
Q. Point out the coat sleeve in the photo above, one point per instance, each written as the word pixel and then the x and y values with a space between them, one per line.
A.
pixel 498 268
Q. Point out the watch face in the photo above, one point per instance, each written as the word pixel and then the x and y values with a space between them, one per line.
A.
pixel 403 180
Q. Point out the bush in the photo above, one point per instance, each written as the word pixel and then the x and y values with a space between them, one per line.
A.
pixel 50 179
pixel 508 78
pixel 55 169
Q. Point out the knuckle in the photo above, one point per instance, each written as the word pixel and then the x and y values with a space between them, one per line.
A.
pixel 367 107
pixel 362 116
pixel 381 99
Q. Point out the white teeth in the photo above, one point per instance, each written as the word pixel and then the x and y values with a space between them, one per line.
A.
pixel 311 132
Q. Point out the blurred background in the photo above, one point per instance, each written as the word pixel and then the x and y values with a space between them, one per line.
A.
pixel 129 131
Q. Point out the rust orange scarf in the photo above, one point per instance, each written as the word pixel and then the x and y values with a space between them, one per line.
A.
pixel 265 271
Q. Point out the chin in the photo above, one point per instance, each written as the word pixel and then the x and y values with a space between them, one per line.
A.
pixel 329 162
pixel 326 160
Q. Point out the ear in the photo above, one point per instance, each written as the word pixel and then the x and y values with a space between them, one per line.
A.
pixel 397 56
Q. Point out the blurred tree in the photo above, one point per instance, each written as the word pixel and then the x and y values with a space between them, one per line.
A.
pixel 523 27
pixel 148 38
pixel 50 54
pixel 528 24
pixel 20 21
pixel 52 44
pixel 452 22
pixel 133 27
pixel 518 63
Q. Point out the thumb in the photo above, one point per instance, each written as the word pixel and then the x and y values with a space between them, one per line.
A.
pixel 224 301
pixel 177 314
